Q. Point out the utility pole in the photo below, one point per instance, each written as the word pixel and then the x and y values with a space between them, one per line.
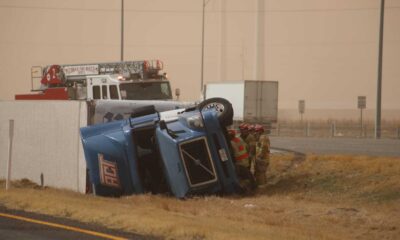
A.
pixel 202 50
pixel 259 41
pixel 222 30
pixel 379 84
pixel 122 30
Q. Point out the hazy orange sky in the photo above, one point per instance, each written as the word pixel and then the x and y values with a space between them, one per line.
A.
pixel 323 51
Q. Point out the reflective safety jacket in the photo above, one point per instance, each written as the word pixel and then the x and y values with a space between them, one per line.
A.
pixel 263 148
pixel 250 141
pixel 240 151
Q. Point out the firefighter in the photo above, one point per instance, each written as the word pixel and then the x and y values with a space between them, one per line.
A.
pixel 251 128
pixel 246 179
pixel 248 137
pixel 262 155
pixel 252 146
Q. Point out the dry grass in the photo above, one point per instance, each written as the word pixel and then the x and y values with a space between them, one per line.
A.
pixel 323 197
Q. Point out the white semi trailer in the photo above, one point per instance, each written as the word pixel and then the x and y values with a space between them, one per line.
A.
pixel 252 101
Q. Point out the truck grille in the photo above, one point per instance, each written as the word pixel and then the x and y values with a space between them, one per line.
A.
pixel 197 162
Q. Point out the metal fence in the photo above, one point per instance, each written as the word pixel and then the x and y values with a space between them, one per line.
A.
pixel 334 129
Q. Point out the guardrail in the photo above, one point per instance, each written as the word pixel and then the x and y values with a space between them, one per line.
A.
pixel 334 129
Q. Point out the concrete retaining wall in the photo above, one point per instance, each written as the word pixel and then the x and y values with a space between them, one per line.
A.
pixel 46 140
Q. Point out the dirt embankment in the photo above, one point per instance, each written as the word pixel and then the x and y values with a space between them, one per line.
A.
pixel 322 197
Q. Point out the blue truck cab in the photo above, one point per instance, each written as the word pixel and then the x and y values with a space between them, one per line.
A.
pixel 181 152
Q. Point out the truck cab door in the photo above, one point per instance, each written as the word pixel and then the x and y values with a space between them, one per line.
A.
pixel 109 155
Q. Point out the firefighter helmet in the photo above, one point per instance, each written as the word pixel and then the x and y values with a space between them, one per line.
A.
pixel 258 128
pixel 244 126
pixel 232 132
pixel 251 127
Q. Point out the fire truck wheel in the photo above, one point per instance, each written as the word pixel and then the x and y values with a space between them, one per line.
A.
pixel 223 108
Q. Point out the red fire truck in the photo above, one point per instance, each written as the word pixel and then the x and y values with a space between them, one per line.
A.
pixel 128 80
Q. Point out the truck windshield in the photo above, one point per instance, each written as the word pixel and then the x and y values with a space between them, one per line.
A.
pixel 145 91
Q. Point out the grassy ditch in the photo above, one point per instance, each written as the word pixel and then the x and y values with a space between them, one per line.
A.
pixel 322 197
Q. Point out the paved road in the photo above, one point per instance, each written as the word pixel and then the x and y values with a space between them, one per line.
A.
pixel 354 146
pixel 11 228
pixel 15 229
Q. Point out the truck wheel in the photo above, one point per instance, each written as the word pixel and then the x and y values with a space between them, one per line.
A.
pixel 222 106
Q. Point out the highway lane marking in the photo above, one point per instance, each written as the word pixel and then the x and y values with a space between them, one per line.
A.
pixel 56 225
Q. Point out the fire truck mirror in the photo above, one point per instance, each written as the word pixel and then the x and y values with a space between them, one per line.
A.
pixel 177 92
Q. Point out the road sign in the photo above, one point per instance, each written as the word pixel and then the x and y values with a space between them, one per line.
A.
pixel 362 102
pixel 302 106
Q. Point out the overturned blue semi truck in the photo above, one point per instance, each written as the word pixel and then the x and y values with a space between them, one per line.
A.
pixel 181 152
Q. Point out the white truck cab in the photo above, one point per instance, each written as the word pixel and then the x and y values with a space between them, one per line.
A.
pixel 115 87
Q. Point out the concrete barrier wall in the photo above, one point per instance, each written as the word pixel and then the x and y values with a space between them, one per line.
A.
pixel 46 140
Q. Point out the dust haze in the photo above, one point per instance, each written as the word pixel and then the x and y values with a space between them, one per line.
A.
pixel 324 52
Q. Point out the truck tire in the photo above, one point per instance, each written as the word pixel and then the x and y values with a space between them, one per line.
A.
pixel 222 106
